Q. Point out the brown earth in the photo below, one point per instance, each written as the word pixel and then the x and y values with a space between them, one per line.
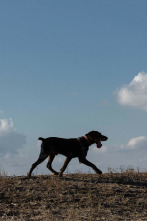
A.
pixel 112 196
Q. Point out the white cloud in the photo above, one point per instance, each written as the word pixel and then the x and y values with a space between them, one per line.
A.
pixel 10 140
pixel 13 156
pixel 6 126
pixel 135 93
pixel 137 143
pixel 134 144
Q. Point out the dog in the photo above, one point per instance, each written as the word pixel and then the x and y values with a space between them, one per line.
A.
pixel 71 148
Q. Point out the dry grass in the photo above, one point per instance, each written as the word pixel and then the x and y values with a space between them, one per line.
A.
pixel 112 196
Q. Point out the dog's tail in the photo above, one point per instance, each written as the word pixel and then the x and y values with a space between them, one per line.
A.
pixel 41 138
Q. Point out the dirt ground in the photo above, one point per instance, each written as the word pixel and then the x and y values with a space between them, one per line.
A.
pixel 112 196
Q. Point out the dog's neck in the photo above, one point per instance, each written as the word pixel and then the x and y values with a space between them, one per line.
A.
pixel 88 140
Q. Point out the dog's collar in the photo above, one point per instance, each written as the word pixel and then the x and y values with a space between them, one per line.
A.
pixel 83 141
pixel 88 141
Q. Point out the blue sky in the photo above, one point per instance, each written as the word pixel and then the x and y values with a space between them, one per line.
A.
pixel 68 67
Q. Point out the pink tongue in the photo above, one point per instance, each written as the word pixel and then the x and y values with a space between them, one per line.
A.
pixel 99 144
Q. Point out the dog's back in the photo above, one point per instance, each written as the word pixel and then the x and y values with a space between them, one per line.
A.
pixel 67 147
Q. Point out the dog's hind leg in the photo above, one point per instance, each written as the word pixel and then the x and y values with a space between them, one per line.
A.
pixel 34 165
pixel 86 162
pixel 49 164
pixel 66 162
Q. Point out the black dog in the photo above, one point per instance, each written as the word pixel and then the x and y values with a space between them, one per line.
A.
pixel 71 148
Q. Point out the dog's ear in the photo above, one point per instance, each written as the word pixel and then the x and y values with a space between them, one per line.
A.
pixel 88 135
pixel 93 135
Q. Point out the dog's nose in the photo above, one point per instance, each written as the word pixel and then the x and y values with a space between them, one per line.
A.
pixel 105 138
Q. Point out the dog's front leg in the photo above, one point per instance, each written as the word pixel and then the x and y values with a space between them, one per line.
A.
pixel 68 159
pixel 86 162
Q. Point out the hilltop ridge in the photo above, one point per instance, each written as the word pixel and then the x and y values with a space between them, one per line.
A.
pixel 112 196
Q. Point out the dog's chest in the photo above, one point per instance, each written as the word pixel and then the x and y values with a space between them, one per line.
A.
pixel 84 146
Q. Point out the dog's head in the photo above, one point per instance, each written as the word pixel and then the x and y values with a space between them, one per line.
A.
pixel 96 137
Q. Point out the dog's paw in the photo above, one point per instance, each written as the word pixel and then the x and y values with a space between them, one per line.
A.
pixel 55 173
pixel 99 172
pixel 28 176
